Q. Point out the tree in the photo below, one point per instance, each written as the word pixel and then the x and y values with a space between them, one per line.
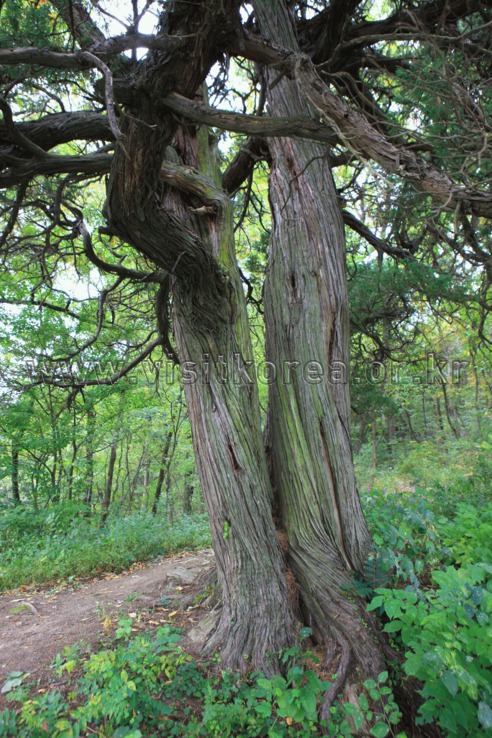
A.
pixel 337 80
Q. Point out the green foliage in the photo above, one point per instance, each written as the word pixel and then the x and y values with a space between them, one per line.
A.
pixel 19 524
pixel 447 635
pixel 150 687
pixel 27 23
pixel 439 548
pixel 388 714
pixel 59 544
pixel 469 534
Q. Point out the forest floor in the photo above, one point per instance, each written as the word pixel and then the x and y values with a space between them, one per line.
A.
pixel 37 624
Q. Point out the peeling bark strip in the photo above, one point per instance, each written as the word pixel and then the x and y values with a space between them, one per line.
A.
pixel 308 423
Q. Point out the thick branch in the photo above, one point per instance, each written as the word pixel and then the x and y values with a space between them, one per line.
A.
pixel 362 139
pixel 21 172
pixel 58 128
pixel 79 21
pixel 17 136
pixel 314 33
pixel 77 59
pixel 379 244
pixel 254 125
pixel 241 167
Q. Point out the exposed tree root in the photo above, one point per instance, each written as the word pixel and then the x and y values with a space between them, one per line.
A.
pixel 342 674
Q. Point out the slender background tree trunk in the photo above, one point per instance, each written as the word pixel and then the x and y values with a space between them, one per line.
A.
pixel 15 473
pixel 109 483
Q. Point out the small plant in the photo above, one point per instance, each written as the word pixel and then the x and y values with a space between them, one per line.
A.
pixel 67 660
pixel 125 629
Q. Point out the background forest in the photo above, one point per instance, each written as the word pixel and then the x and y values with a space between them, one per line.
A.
pixel 97 467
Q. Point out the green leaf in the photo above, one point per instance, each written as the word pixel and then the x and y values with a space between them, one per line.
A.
pixel 376 602
pixel 14 680
pixel 383 677
pixel 482 618
pixel 392 608
pixel 380 730
pixel 484 715
pixel 358 719
pixel 476 595
pixel 308 701
pixel 364 704
pixel 393 627
pixel 450 682
pixel 264 709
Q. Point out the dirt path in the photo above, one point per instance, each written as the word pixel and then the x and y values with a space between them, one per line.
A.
pixel 34 627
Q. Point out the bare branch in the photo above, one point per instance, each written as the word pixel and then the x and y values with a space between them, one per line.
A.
pixel 41 304
pixel 75 383
pixel 109 94
pixel 77 59
pixel 121 271
pixel 254 125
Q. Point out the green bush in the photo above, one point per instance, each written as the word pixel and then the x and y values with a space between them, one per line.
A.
pixel 447 635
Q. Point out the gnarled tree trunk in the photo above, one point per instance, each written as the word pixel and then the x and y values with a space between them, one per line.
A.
pixel 183 222
pixel 225 420
pixel 307 329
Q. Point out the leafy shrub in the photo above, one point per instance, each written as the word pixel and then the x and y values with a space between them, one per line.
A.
pixel 447 633
pixel 468 536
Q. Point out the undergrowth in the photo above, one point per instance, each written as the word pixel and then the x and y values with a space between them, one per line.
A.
pixel 62 544
pixel 430 580
pixel 148 686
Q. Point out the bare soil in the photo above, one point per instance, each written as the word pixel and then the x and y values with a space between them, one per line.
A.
pixel 36 625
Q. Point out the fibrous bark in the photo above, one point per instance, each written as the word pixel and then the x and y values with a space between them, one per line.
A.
pixel 225 419
pixel 307 328
pixel 179 217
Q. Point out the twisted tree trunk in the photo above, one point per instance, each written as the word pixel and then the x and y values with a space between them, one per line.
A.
pixel 225 419
pixel 307 329
pixel 180 218
pixel 182 221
